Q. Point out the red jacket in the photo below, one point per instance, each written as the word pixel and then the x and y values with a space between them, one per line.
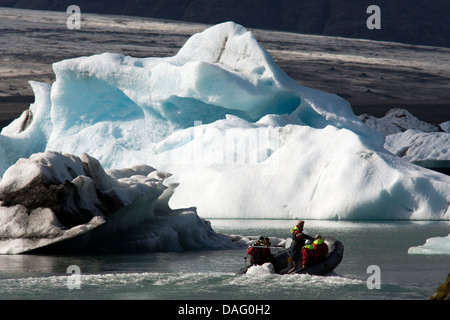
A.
pixel 259 255
pixel 321 249
pixel 300 237
pixel 308 255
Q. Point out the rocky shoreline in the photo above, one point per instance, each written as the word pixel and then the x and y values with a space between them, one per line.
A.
pixel 443 291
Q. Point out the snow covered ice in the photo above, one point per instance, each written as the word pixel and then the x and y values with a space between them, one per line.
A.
pixel 396 121
pixel 412 139
pixel 445 126
pixel 416 145
pixel 240 138
pixel 435 245
pixel 52 197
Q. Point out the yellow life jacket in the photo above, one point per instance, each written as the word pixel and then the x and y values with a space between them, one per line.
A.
pixel 318 241
pixel 295 228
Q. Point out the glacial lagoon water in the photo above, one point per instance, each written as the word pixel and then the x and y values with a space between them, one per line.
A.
pixel 212 275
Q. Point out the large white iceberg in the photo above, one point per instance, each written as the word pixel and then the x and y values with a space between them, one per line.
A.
pixel 242 139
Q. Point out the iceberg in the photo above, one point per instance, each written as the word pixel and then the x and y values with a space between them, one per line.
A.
pixel 397 120
pixel 240 138
pixel 435 245
pixel 419 146
pixel 64 203
pixel 412 139
pixel 445 126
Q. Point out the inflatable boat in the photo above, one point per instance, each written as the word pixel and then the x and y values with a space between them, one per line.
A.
pixel 282 262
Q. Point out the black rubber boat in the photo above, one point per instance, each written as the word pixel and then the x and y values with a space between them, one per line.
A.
pixel 282 262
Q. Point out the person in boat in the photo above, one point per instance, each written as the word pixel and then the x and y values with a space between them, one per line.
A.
pixel 298 241
pixel 260 252
pixel 298 235
pixel 308 254
pixel 321 248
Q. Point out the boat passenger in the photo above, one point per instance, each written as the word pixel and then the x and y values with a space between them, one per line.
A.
pixel 321 248
pixel 298 241
pixel 259 252
pixel 267 241
pixel 308 254
pixel 298 235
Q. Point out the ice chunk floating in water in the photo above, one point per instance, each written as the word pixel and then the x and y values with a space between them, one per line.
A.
pixel 435 245
pixel 241 138
pixel 65 203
